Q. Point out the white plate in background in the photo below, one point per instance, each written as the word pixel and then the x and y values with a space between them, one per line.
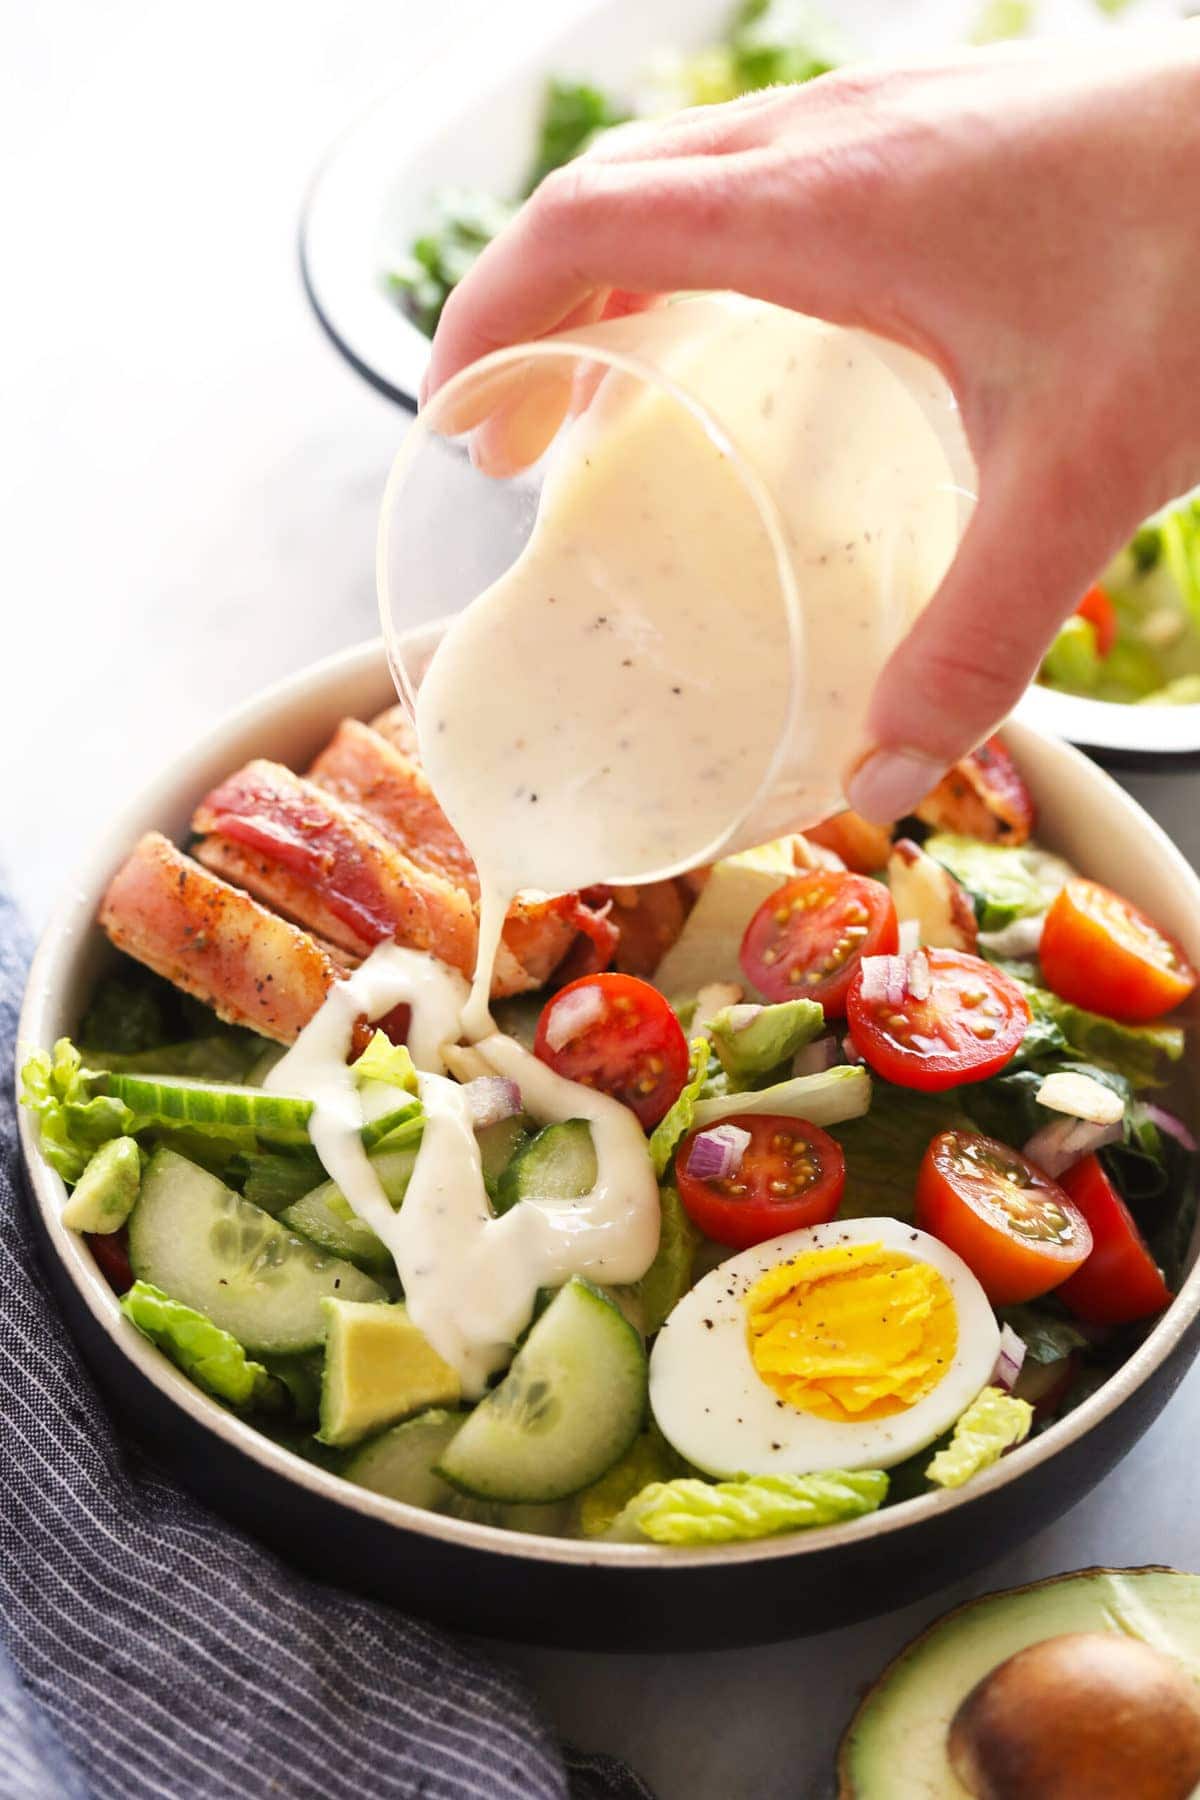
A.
pixel 470 120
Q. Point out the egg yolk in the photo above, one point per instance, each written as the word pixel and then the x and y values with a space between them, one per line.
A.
pixel 852 1332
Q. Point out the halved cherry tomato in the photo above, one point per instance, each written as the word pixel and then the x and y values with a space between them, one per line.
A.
pixel 1101 615
pixel 111 1251
pixel 1120 1280
pixel 982 796
pixel 807 939
pixel 633 1048
pixel 955 1018
pixel 1015 1229
pixel 1102 952
pixel 791 1174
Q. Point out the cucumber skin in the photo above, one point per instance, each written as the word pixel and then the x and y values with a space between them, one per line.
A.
pixel 543 1488
pixel 221 1296
pixel 212 1106
pixel 557 1151
pixel 417 1482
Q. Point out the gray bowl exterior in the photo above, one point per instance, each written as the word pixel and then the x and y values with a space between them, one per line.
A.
pixel 553 1590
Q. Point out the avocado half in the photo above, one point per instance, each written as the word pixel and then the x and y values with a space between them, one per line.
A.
pixel 894 1747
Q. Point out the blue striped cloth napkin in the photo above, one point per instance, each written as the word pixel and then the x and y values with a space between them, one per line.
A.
pixel 148 1649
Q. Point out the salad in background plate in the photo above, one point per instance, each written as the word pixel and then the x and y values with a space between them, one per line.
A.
pixel 906 1097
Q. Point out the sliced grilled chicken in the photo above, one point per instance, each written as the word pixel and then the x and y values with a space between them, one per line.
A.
pixel 248 964
pixel 923 890
pixel 983 796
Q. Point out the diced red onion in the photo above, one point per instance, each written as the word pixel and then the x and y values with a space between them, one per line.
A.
pixel 491 1098
pixel 816 1057
pixel 1009 1360
pixel 572 1014
pixel 850 1052
pixel 717 1154
pixel 910 936
pixel 1166 1121
pixel 1056 1146
pixel 884 978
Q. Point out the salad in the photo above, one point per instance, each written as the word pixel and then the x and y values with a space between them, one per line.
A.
pixel 1135 636
pixel 901 1101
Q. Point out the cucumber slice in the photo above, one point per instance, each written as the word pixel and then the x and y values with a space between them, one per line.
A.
pixel 402 1464
pixel 326 1218
pixel 498 1144
pixel 569 1407
pixel 558 1164
pixel 203 1244
pixel 213 1106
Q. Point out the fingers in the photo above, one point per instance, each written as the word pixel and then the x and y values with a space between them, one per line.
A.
pixel 1036 541
pixel 766 222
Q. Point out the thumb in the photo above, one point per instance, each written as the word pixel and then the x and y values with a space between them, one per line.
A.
pixel 1033 546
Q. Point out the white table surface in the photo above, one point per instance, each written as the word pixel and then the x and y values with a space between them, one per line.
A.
pixel 190 477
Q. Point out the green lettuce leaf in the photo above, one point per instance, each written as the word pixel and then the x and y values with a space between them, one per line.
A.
pixel 73 1119
pixel 127 1014
pixel 676 1123
pixel 1137 1052
pixel 384 1061
pixel 649 1459
pixel 825 1099
pixel 772 1036
pixel 1073 660
pixel 463 223
pixel 1006 881
pixel 1002 19
pixel 572 114
pixel 990 1426
pixel 884 1148
pixel 213 1359
pixel 669 1276
pixel 225 1056
pixel 1180 532
pixel 774 41
pixel 699 1512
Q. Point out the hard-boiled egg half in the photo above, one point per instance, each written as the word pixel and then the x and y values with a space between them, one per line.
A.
pixel 845 1346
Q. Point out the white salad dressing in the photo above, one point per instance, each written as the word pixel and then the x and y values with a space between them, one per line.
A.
pixel 469 1279
pixel 624 702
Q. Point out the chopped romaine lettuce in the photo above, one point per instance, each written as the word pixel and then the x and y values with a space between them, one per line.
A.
pixel 1184 690
pixel 824 1099
pixel 1006 881
pixel 1135 1051
pixel 1073 659
pixel 105 1193
pixel 73 1119
pixel 127 1014
pixel 225 1056
pixel 669 1276
pixel 464 223
pixel 774 41
pixel 990 1426
pixel 699 1512
pixel 649 1459
pixel 1180 532
pixel 212 1358
pixel 384 1061
pixel 884 1148
pixel 573 112
pixel 678 1121
pixel 772 1035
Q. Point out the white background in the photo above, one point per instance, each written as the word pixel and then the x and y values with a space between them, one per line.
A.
pixel 188 489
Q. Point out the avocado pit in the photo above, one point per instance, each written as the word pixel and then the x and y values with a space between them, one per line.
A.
pixel 1088 1714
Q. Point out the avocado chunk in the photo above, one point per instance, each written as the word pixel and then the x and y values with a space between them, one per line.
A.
pixel 378 1368
pixel 706 950
pixel 105 1193
pixel 751 1041
pixel 904 1722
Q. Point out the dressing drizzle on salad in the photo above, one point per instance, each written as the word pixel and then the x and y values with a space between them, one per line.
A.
pixel 470 1279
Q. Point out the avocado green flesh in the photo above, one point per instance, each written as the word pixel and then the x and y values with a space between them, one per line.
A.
pixel 895 1746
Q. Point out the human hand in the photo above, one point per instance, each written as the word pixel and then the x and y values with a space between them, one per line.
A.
pixel 1025 217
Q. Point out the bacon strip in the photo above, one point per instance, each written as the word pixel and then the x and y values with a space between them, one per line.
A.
pixel 249 965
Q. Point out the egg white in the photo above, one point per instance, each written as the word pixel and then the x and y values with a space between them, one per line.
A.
pixel 714 1407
